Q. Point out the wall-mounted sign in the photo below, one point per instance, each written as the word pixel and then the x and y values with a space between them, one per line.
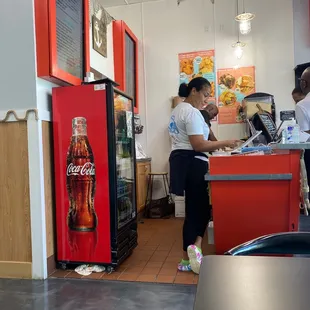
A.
pixel 233 86
pixel 62 40
pixel 99 32
pixel 126 61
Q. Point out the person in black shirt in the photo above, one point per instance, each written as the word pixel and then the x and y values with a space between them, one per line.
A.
pixel 208 114
pixel 297 94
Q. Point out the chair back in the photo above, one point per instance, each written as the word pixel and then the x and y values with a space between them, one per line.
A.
pixel 290 243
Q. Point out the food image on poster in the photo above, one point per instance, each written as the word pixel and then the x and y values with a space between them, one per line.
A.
pixel 212 94
pixel 227 80
pixel 246 84
pixel 206 65
pixel 233 86
pixel 186 67
pixel 228 98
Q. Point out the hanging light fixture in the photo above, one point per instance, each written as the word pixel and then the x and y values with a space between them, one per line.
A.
pixel 238 46
pixel 244 20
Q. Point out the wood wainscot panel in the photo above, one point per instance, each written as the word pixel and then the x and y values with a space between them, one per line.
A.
pixel 15 225
pixel 19 270
pixel 48 163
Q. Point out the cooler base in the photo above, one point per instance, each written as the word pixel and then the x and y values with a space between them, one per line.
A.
pixel 122 248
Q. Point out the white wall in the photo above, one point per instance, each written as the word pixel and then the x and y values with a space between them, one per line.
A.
pixel 17 61
pixel 270 48
pixel 197 25
pixel 134 20
pixel 44 97
pixel 301 31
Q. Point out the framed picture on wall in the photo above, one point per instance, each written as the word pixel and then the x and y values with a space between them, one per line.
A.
pixel 62 38
pixel 126 60
pixel 99 32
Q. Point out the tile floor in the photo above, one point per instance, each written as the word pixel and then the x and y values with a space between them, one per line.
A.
pixel 154 260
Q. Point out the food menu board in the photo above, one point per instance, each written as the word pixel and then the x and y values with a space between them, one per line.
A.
pixel 233 86
pixel 196 64
pixel 69 32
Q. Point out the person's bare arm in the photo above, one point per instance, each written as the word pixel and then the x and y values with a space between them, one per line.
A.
pixel 176 100
pixel 199 144
pixel 212 136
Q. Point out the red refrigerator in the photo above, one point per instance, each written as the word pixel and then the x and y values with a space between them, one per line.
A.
pixel 94 156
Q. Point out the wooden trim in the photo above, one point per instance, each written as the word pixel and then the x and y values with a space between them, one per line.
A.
pixel 119 31
pixel 20 270
pixel 49 192
pixel 51 264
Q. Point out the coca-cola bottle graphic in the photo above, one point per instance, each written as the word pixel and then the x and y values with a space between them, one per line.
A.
pixel 81 179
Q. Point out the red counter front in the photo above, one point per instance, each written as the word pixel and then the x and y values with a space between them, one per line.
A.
pixel 247 209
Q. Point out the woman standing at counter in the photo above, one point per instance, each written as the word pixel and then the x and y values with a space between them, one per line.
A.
pixel 188 165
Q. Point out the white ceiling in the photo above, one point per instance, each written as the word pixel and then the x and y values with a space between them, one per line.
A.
pixel 109 3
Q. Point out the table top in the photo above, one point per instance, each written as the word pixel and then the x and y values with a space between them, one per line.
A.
pixel 253 283
pixel 291 146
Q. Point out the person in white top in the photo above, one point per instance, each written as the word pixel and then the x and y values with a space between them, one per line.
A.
pixel 303 114
pixel 188 165
pixel 303 106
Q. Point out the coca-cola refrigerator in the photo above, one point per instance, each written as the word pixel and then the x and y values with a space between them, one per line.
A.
pixel 94 156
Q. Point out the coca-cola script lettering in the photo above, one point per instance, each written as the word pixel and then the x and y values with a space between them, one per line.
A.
pixel 87 169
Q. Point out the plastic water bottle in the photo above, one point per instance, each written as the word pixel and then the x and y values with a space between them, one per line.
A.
pixel 291 133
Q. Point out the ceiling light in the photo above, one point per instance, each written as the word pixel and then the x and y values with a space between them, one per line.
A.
pixel 244 20
pixel 238 46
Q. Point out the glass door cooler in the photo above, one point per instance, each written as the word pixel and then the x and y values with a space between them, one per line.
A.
pixel 94 156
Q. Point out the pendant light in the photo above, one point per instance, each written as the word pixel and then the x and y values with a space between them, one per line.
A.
pixel 238 46
pixel 244 20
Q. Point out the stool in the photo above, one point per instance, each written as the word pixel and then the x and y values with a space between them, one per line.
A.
pixel 160 207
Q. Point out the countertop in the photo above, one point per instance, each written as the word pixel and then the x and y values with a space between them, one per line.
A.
pixel 253 283
pixel 139 160
pixel 288 146
pixel 248 177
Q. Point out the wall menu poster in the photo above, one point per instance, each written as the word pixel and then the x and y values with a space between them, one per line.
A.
pixel 233 86
pixel 195 64
pixel 69 36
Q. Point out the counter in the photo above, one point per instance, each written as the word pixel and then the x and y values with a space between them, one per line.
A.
pixel 143 169
pixel 141 160
pixel 254 195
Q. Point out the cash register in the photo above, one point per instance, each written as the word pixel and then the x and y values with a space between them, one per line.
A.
pixel 258 112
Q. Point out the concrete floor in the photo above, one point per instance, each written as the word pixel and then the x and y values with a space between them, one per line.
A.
pixel 61 294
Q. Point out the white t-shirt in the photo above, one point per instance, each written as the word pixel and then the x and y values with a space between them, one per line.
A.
pixel 186 121
pixel 303 113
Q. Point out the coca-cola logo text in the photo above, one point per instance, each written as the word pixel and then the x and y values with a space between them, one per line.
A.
pixel 86 169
